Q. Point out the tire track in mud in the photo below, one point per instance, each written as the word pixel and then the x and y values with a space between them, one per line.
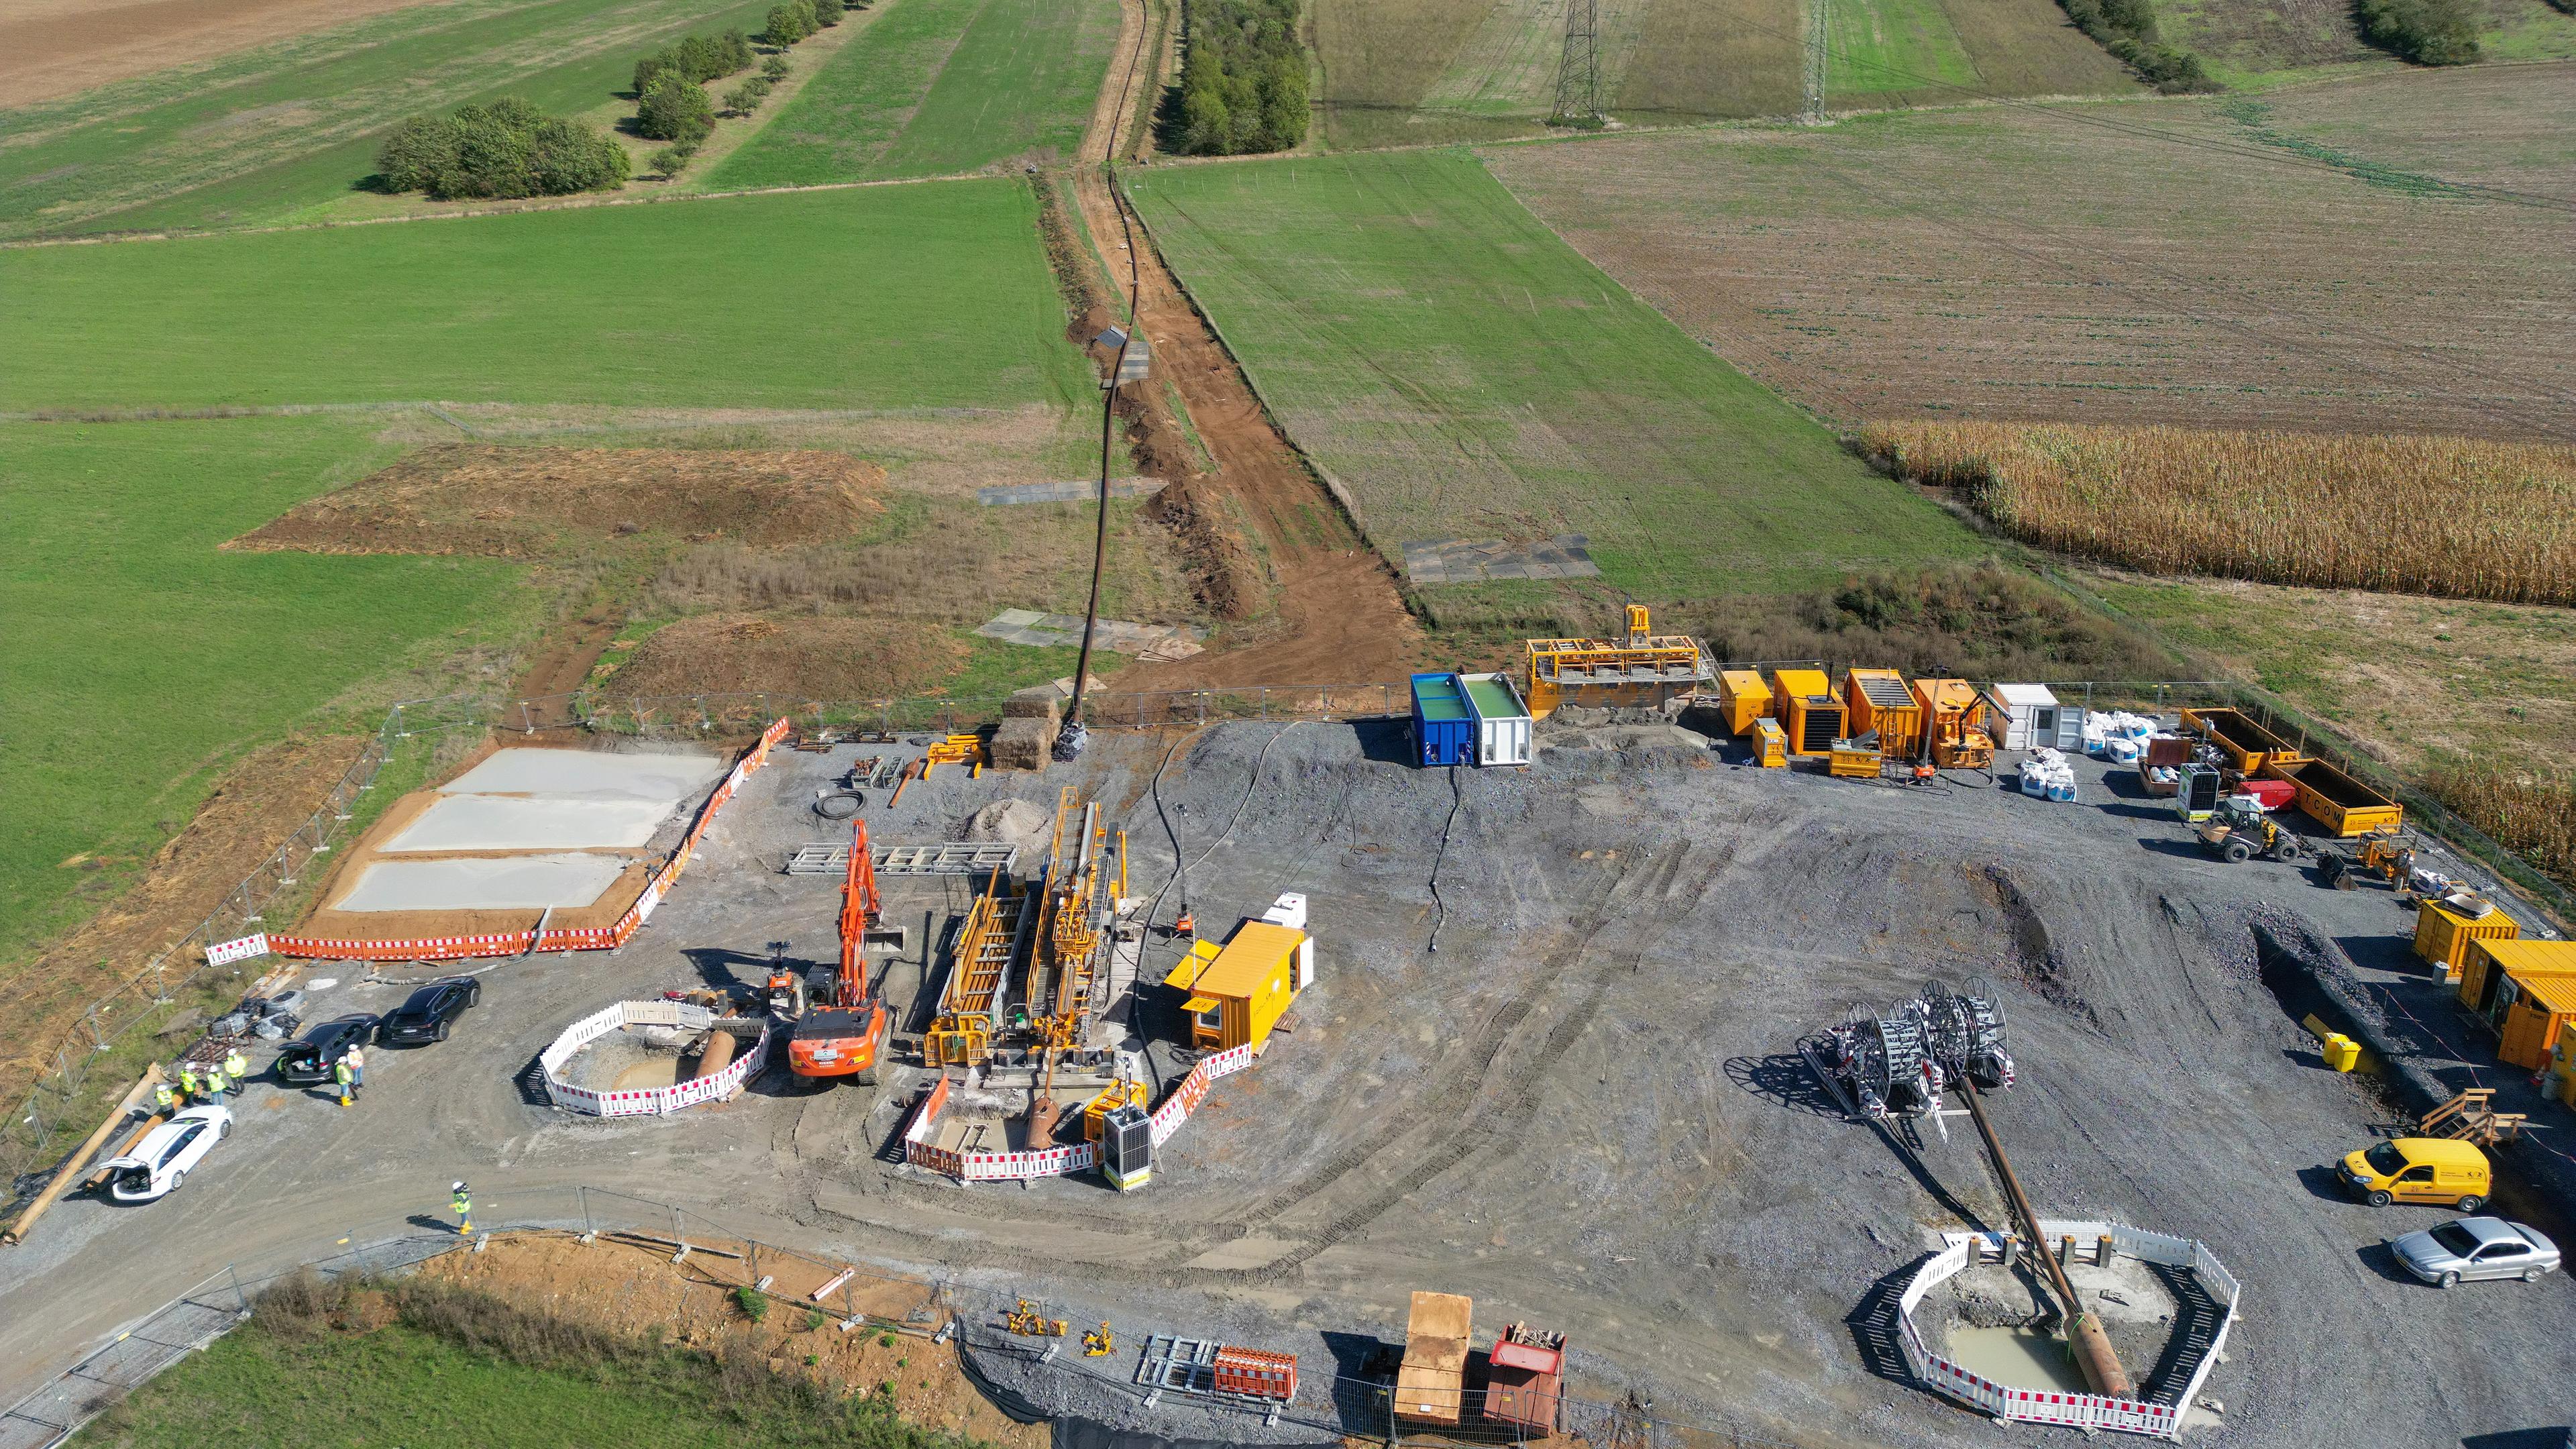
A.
pixel 1510 1091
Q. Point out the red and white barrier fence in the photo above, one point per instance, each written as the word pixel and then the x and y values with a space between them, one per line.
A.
pixel 645 1101
pixel 516 943
pixel 2049 1406
pixel 919 1138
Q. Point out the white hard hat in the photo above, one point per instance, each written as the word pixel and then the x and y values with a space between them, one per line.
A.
pixel 458 1187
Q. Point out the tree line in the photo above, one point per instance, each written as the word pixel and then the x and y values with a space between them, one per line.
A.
pixel 2127 29
pixel 511 148
pixel 1243 78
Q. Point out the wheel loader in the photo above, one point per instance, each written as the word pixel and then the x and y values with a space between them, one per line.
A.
pixel 2238 831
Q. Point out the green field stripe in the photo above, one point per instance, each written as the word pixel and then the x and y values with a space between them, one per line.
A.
pixel 292 126
pixel 1467 374
pixel 881 297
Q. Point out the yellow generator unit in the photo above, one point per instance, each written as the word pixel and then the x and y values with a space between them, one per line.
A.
pixel 1954 716
pixel 1848 761
pixel 1770 744
pixel 1742 698
pixel 1807 710
pixel 1880 700
pixel 1116 1095
pixel 1646 670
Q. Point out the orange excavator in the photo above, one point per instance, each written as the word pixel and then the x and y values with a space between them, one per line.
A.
pixel 846 1037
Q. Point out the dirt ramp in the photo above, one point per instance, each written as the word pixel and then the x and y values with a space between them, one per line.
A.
pixel 528 502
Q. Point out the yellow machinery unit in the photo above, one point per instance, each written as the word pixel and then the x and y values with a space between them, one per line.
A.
pixel 1880 700
pixel 970 1005
pixel 2443 932
pixel 1848 761
pixel 1742 698
pixel 1238 991
pixel 1954 719
pixel 1647 670
pixel 1063 968
pixel 1770 744
pixel 1807 710
pixel 1095 1113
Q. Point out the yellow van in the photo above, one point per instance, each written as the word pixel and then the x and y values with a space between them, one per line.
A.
pixel 2419 1169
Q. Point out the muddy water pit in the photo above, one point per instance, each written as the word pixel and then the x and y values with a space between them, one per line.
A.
pixel 638 1058
pixel 1994 1321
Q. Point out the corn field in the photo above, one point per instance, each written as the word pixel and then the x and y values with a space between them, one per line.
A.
pixel 2455 517
pixel 2531 813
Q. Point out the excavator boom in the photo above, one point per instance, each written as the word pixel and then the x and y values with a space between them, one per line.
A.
pixel 848 1035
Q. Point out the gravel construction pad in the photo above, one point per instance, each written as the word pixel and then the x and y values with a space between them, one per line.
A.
pixel 514 822
pixel 664 779
pixel 1582 1110
pixel 528 882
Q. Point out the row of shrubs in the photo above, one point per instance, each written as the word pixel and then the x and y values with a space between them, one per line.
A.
pixel 2127 29
pixel 1243 78
pixel 510 148
pixel 2427 32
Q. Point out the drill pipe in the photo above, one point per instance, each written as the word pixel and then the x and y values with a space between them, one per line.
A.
pixel 2093 1352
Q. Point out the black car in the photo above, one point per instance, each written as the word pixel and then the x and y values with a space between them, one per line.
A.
pixel 309 1060
pixel 429 1014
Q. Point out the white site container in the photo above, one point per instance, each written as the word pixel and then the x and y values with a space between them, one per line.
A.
pixel 1502 719
pixel 1290 911
pixel 2033 718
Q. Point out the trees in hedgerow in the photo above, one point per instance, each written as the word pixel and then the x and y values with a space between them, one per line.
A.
pixel 790 22
pixel 700 58
pixel 508 148
pixel 675 108
pixel 1243 78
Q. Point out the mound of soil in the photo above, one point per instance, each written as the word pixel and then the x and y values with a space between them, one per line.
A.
pixel 818 657
pixel 528 502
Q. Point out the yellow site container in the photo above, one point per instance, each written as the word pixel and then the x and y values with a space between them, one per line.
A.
pixel 1881 700
pixel 1847 761
pixel 1238 991
pixel 2442 935
pixel 2536 1019
pixel 2334 799
pixel 1770 744
pixel 1804 703
pixel 2484 964
pixel 1742 698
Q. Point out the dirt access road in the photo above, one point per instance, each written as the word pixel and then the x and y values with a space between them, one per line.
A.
pixel 1340 618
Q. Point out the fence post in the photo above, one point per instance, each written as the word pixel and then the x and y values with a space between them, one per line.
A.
pixel 587 1229
pixel 527 724
pixel 241 1296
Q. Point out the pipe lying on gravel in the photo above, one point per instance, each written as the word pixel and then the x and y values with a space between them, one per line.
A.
pixel 718 1051
pixel 72 1165
pixel 2084 1332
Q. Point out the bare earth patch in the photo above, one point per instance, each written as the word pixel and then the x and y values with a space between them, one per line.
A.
pixel 518 502
pixel 821 657
pixel 54 48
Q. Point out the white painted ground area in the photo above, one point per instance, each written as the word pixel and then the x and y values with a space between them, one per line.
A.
pixel 523 883
pixel 589 774
pixel 515 822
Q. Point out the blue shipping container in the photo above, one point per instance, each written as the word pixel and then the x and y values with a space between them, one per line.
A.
pixel 1444 733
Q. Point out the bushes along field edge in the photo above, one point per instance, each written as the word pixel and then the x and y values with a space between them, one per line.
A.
pixel 699 58
pixel 1243 78
pixel 506 149
pixel 2127 29
pixel 2398 513
pixel 2427 32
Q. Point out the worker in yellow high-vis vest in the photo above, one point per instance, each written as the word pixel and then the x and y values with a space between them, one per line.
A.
pixel 464 1206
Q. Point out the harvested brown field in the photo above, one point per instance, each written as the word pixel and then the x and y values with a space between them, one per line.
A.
pixel 819 656
pixel 533 502
pixel 2531 813
pixel 2225 262
pixel 2454 517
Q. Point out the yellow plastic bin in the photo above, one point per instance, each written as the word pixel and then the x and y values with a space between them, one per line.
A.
pixel 2341 1052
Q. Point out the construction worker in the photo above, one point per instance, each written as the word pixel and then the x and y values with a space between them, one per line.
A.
pixel 356 1061
pixel 164 1099
pixel 347 1077
pixel 464 1206
pixel 236 1067
pixel 189 1087
pixel 216 1084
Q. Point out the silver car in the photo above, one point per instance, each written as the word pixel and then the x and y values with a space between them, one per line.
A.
pixel 2467 1248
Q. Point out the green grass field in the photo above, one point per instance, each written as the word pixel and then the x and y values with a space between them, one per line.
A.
pixel 1877 46
pixel 285 132
pixel 143 661
pixel 936 88
pixel 2257 46
pixel 1468 375
pixel 903 297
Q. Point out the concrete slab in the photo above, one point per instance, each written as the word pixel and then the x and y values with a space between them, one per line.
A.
pixel 544 822
pixel 592 774
pixel 528 882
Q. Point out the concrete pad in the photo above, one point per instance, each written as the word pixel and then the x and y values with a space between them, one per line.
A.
pixel 667 779
pixel 525 883
pixel 509 822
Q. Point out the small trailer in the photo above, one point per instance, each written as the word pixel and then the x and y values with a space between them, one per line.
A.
pixel 2246 745
pixel 2336 800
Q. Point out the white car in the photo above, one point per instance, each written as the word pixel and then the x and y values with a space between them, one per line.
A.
pixel 162 1160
